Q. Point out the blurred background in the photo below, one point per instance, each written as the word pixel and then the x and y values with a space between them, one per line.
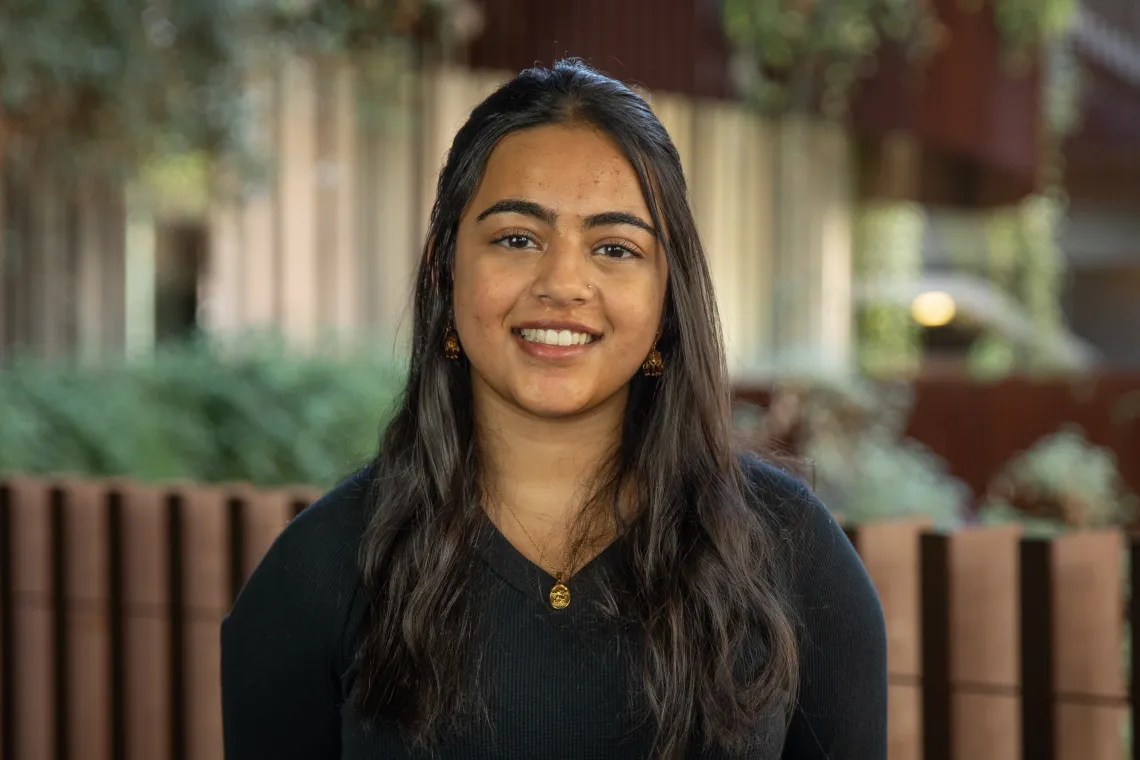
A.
pixel 922 217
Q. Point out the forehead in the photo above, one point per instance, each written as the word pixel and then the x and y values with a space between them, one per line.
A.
pixel 575 169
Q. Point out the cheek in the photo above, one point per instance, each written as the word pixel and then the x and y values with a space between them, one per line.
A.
pixel 636 310
pixel 482 297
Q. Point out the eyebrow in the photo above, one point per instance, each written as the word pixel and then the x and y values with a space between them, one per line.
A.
pixel 548 216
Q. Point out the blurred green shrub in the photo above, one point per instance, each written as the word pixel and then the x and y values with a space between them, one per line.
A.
pixel 109 84
pixel 1065 480
pixel 201 413
pixel 851 431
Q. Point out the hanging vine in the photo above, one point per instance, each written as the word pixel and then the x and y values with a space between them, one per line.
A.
pixel 888 247
pixel 797 56
pixel 1024 251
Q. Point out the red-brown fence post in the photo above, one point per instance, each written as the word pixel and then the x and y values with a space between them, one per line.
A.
pixel 890 552
pixel 86 560
pixel 984 643
pixel 146 623
pixel 1088 592
pixel 206 598
pixel 33 625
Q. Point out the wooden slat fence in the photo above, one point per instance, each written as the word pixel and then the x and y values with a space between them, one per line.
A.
pixel 112 593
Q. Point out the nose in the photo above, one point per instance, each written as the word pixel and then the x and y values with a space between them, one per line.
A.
pixel 563 275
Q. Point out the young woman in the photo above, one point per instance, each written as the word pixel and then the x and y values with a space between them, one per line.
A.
pixel 557 552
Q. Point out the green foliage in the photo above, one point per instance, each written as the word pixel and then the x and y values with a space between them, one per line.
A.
pixel 853 434
pixel 808 56
pixel 888 256
pixel 1066 480
pixel 198 413
pixel 1026 25
pixel 111 83
pixel 801 57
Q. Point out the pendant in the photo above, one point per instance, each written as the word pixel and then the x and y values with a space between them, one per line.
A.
pixel 559 595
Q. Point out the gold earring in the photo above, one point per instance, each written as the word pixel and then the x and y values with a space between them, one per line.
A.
pixel 653 366
pixel 451 344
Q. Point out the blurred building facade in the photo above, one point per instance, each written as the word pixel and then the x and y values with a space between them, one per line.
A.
pixel 328 244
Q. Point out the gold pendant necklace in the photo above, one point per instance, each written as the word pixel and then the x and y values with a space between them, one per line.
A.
pixel 560 592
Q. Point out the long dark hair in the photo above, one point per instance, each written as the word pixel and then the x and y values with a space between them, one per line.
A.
pixel 700 553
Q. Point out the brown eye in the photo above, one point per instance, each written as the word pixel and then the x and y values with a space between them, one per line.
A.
pixel 515 241
pixel 615 251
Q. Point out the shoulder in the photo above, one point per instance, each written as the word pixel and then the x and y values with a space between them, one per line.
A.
pixel 306 588
pixel 820 561
pixel 319 547
pixel 783 498
pixel 841 707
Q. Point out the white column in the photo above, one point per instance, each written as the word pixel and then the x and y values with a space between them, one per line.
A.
pixel 341 301
pixel 812 310
pixel 260 236
pixel 301 250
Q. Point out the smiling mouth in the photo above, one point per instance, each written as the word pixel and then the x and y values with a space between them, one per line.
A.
pixel 554 337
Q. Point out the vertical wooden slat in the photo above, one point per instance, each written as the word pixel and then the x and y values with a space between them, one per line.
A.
pixel 984 661
pixel 297 187
pixel 7 615
pixel 1088 590
pixel 937 702
pixel 890 552
pixel 88 628
pixel 33 665
pixel 267 514
pixel 146 627
pixel 1038 727
pixel 206 599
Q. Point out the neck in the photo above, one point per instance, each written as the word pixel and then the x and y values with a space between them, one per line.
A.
pixel 542 468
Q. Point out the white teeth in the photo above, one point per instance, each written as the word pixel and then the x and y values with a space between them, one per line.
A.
pixel 556 337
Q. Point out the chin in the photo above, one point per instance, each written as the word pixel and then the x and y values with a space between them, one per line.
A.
pixel 552 405
pixel 554 409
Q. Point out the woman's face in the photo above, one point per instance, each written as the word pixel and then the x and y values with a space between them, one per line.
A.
pixel 559 275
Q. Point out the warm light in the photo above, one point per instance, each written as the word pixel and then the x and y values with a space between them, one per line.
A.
pixel 933 309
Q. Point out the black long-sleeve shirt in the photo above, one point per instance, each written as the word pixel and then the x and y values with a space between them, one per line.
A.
pixel 557 683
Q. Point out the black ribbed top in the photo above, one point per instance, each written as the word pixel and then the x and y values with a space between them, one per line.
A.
pixel 556 684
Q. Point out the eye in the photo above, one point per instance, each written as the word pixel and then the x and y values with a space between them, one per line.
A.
pixel 617 251
pixel 516 241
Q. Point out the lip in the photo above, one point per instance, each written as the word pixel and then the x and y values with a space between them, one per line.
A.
pixel 543 351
